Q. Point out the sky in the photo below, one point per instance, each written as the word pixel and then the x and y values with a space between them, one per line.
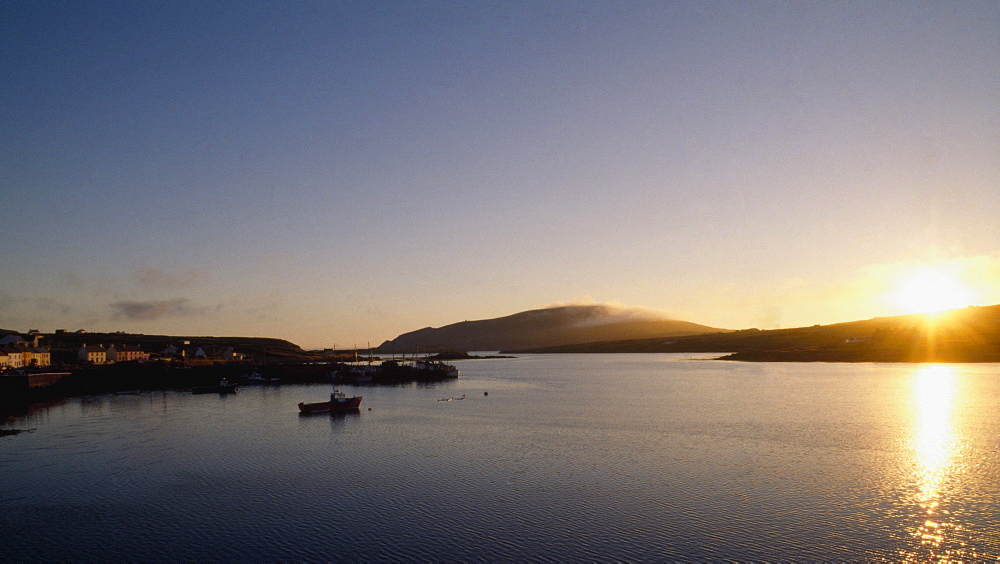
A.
pixel 338 173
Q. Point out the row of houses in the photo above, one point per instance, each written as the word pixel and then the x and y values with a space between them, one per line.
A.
pixel 18 352
pixel 23 356
pixel 98 354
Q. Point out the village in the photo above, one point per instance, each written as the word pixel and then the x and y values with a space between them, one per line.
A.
pixel 37 367
pixel 18 352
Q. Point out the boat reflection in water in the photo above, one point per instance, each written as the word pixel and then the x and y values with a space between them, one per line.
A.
pixel 934 445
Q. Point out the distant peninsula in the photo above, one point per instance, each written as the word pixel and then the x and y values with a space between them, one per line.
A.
pixel 969 334
pixel 81 363
pixel 963 335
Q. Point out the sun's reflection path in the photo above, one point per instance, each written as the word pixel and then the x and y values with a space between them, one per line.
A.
pixel 934 446
pixel 933 442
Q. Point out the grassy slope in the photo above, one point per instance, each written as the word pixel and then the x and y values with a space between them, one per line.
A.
pixel 964 335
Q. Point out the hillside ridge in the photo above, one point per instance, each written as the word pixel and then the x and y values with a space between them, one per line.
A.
pixel 555 326
pixel 969 334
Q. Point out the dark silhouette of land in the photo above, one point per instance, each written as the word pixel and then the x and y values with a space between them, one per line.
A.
pixel 964 335
pixel 557 326
pixel 64 346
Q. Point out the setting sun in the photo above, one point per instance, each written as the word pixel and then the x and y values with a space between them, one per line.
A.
pixel 931 289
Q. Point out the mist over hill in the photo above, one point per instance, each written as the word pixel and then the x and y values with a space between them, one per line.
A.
pixel 556 326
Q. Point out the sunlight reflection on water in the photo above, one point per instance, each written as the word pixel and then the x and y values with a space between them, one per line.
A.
pixel 934 442
pixel 579 458
pixel 935 448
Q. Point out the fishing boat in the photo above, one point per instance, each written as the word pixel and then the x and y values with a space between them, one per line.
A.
pixel 420 370
pixel 223 387
pixel 338 402
pixel 436 368
pixel 363 374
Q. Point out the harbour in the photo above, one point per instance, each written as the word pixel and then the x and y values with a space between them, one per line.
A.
pixel 548 457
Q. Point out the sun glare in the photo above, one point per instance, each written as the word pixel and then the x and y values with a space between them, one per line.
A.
pixel 928 289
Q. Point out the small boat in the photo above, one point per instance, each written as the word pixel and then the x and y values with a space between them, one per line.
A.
pixel 436 368
pixel 421 370
pixel 258 378
pixel 338 402
pixel 361 375
pixel 223 387
pixel 453 399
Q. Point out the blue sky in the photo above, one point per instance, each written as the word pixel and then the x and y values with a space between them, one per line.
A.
pixel 342 172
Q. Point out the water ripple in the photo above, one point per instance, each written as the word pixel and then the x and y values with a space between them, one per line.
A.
pixel 688 461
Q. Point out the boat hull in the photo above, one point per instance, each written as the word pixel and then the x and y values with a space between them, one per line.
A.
pixel 347 404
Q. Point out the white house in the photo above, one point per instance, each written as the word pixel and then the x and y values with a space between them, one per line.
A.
pixel 94 354
pixel 22 355
pixel 126 353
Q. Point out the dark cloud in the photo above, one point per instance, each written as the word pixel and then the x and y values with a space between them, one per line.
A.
pixel 154 309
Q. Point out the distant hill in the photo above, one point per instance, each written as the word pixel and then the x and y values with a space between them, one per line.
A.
pixel 549 327
pixel 963 335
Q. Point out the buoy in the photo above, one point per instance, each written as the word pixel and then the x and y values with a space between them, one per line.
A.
pixel 369 409
pixel 486 393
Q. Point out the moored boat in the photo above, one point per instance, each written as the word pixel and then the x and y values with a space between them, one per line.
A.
pixel 363 374
pixel 420 370
pixel 437 368
pixel 258 378
pixel 338 402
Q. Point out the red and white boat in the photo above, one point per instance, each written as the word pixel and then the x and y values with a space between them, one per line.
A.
pixel 338 402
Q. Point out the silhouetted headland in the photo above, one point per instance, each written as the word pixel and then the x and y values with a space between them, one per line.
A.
pixel 963 335
pixel 548 327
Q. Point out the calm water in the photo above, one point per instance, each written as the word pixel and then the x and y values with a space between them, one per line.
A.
pixel 575 457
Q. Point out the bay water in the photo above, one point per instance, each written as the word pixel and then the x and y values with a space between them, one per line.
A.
pixel 548 457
